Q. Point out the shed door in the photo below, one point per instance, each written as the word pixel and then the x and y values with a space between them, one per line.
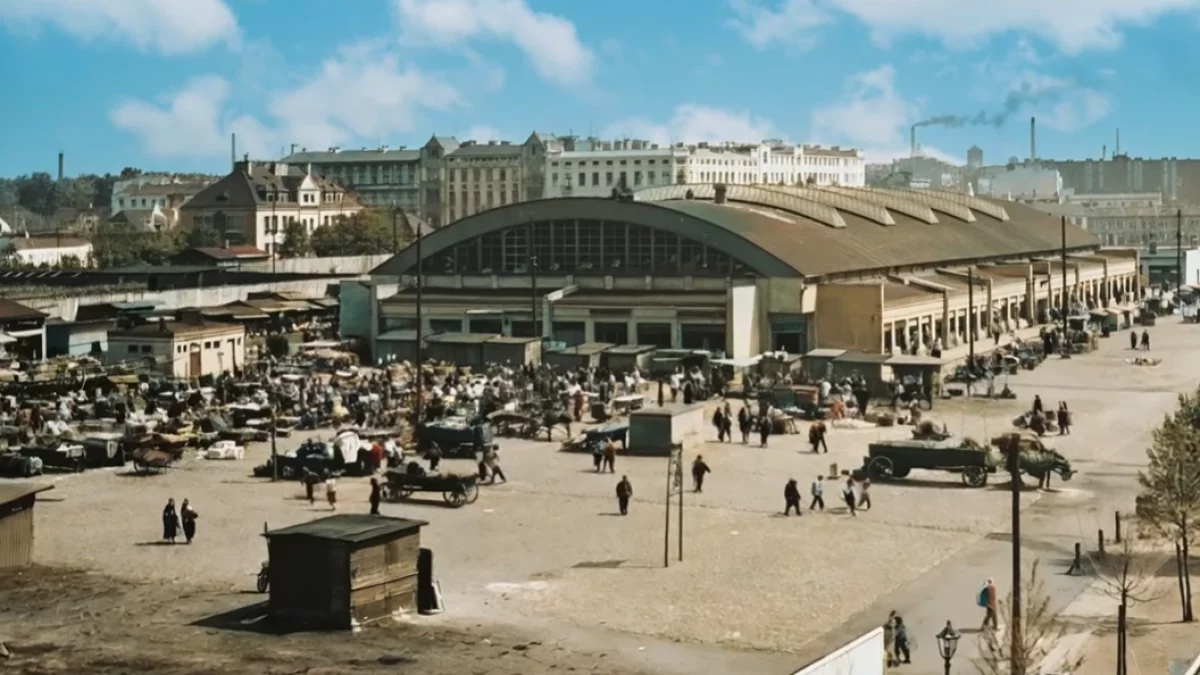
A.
pixel 195 367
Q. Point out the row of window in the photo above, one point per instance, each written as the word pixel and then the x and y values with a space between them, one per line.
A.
pixel 382 174
pixel 482 174
pixel 609 162
pixel 583 247
pixel 622 179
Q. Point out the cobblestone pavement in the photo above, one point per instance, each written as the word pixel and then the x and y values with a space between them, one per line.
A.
pixel 547 549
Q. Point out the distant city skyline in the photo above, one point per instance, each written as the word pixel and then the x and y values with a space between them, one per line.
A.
pixel 167 83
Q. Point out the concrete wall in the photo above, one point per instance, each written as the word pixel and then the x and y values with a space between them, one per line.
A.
pixel 864 656
pixel 66 307
pixel 348 265
pixel 741 328
pixel 216 353
pixel 850 316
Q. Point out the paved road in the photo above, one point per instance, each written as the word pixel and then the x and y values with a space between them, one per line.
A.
pixel 1117 405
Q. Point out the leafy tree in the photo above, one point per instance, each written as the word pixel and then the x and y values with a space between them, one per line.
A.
pixel 295 241
pixel 1001 654
pixel 1170 497
pixel 126 245
pixel 70 262
pixel 202 235
pixel 38 193
pixel 364 233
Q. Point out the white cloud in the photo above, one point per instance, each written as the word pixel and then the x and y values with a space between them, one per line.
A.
pixel 481 133
pixel 192 122
pixel 692 123
pixel 549 40
pixel 1071 25
pixel 1060 103
pixel 167 26
pixel 362 93
pixel 359 95
pixel 789 24
pixel 870 113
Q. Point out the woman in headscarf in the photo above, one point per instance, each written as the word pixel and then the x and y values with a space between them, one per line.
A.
pixel 188 515
pixel 170 522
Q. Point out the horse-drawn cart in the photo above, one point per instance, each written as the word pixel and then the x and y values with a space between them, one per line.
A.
pixel 456 490
pixel 152 460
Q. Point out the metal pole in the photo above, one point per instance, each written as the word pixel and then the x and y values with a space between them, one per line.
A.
pixel 1178 251
pixel 971 318
pixel 274 405
pixel 947 662
pixel 274 238
pixel 1066 342
pixel 667 532
pixel 681 515
pixel 395 239
pixel 419 370
pixel 533 291
pixel 1016 639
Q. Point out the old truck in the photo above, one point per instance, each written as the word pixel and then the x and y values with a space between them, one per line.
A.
pixel 891 460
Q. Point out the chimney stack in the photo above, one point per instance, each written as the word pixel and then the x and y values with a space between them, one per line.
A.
pixel 1032 140
pixel 719 193
pixel 913 151
pixel 60 166
pixel 293 149
pixel 1104 152
pixel 1118 150
pixel 233 150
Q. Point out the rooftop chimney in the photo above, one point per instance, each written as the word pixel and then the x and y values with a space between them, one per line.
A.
pixel 719 193
pixel 293 149
pixel 1104 152
pixel 912 153
pixel 60 166
pixel 1118 150
pixel 233 150
pixel 1032 140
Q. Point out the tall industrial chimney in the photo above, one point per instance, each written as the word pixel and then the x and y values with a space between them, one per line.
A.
pixel 1118 150
pixel 913 151
pixel 1104 152
pixel 232 151
pixel 1032 140
pixel 60 166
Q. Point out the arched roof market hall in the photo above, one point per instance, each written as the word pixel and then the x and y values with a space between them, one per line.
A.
pixel 747 269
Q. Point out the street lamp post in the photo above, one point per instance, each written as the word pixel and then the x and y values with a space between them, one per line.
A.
pixel 947 642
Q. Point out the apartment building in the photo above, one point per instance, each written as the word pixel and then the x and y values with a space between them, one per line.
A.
pixel 254 204
pixel 460 179
pixel 382 177
pixel 1138 223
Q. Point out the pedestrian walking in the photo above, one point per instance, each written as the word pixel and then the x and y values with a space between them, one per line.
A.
pixel 170 522
pixel 818 494
pixel 816 436
pixel 597 456
pixel 719 422
pixel 331 492
pixel 744 424
pixel 699 468
pixel 1133 339
pixel 492 458
pixel 434 456
pixel 987 600
pixel 310 483
pixel 903 654
pixel 188 516
pixel 1064 419
pixel 624 492
pixel 610 456
pixel 375 497
pixel 864 494
pixel 1146 340
pixel 764 430
pixel 791 497
pixel 848 496
pixel 889 639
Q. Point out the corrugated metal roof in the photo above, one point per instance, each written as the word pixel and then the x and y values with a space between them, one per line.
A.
pixel 814 249
pixel 350 527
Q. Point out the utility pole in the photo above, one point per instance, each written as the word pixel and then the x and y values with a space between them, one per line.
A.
pixel 1066 295
pixel 533 300
pixel 420 375
pixel 1178 252
pixel 395 240
pixel 970 318
pixel 1015 630
pixel 274 404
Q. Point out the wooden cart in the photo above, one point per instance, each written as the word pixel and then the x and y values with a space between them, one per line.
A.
pixel 456 490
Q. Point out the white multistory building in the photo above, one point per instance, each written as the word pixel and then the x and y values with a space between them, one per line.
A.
pixel 594 168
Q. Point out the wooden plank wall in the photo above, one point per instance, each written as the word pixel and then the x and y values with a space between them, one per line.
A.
pixel 383 578
pixel 16 535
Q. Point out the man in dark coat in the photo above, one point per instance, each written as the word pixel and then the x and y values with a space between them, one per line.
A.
pixel 791 497
pixel 624 492
pixel 699 468
pixel 376 496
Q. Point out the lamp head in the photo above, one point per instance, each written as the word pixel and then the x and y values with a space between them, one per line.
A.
pixel 947 641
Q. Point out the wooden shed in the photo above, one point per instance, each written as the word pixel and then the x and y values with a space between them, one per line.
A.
pixel 586 355
pixel 623 358
pixel 16 522
pixel 460 349
pixel 513 351
pixel 344 570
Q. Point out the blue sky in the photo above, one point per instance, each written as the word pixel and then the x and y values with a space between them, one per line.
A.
pixel 160 84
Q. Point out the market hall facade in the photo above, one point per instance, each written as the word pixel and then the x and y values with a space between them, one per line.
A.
pixel 748 269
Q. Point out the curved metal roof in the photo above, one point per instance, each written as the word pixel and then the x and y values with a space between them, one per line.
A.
pixel 794 232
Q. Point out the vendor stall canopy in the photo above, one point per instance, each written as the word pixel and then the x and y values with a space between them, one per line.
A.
pixel 772 231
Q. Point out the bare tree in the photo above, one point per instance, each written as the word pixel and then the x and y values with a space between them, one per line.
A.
pixel 1170 497
pixel 1005 654
pixel 1127 576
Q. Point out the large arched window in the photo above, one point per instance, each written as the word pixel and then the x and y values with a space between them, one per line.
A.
pixel 583 247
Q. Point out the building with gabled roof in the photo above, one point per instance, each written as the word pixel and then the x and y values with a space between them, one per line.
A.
pixel 254 203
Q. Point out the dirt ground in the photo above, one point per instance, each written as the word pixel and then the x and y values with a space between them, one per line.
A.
pixel 66 621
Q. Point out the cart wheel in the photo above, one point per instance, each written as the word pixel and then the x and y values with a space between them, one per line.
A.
pixel 455 498
pixel 404 492
pixel 881 468
pixel 901 472
pixel 975 476
pixel 471 492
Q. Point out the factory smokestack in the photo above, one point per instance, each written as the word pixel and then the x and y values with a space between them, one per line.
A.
pixel 1104 152
pixel 913 149
pixel 1032 140
pixel 1118 150
pixel 60 166
pixel 232 151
